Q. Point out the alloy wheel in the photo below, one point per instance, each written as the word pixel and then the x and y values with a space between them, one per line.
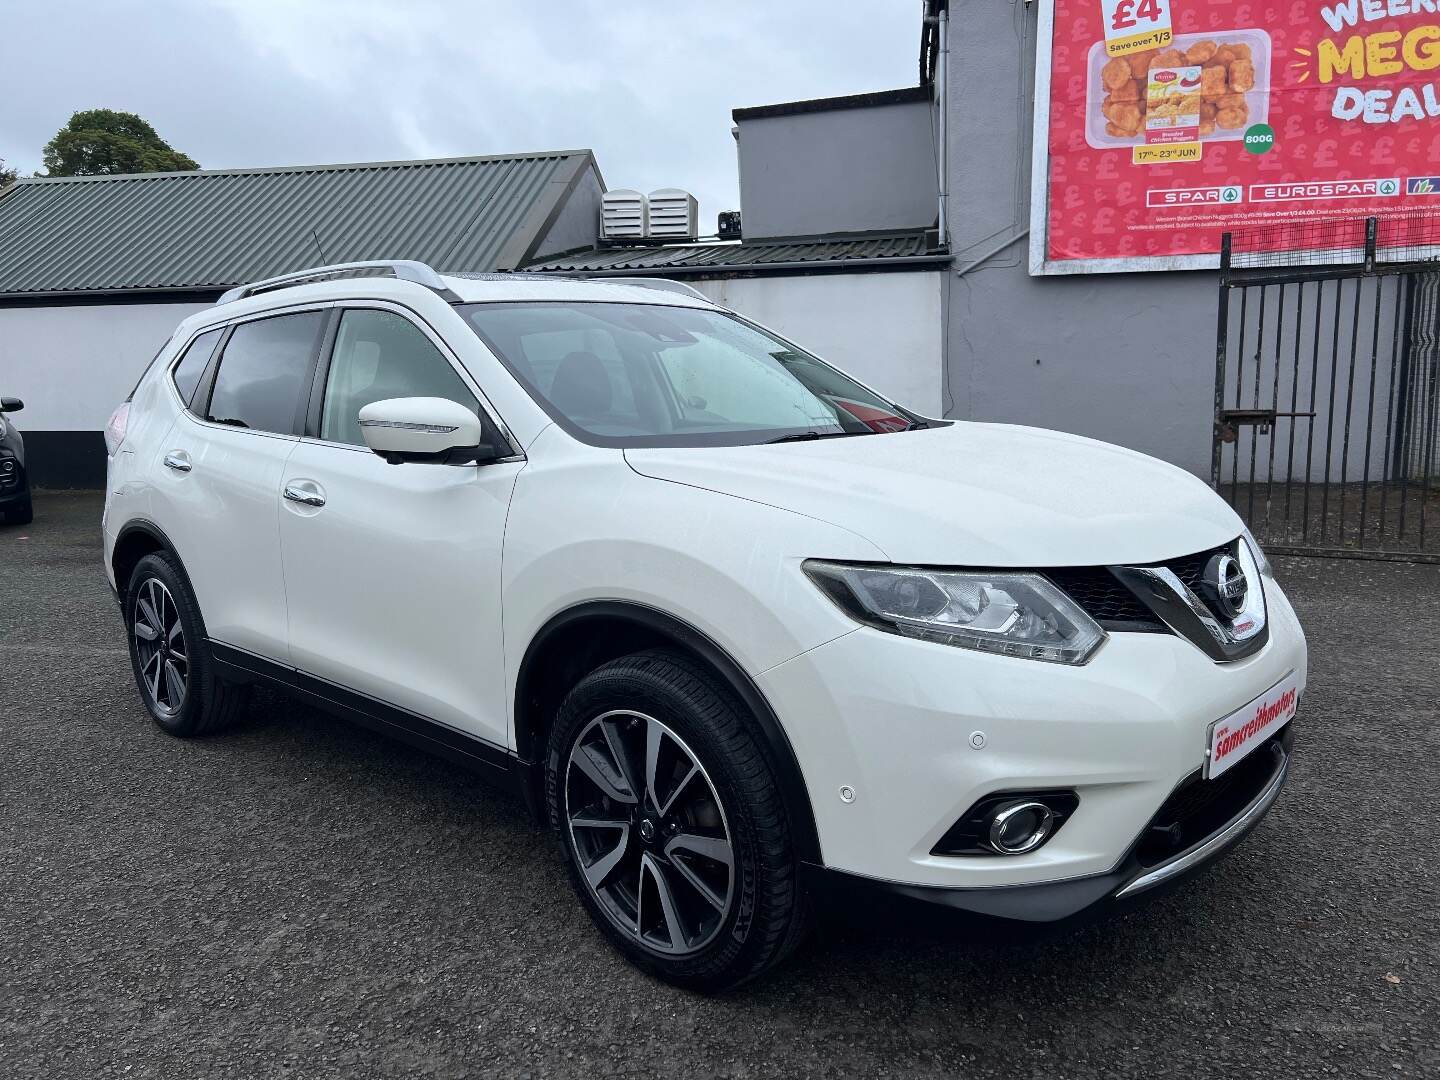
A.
pixel 649 832
pixel 160 648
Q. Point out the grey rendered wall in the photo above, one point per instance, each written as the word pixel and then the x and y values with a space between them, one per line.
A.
pixel 842 170
pixel 578 223
pixel 1128 358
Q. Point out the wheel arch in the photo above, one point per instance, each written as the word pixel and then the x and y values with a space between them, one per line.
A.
pixel 135 540
pixel 579 639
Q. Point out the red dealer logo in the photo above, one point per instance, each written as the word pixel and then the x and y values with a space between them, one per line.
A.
pixel 1197 196
pixel 1384 187
pixel 1265 715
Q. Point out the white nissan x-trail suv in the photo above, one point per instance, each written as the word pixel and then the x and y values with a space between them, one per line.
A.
pixel 741 630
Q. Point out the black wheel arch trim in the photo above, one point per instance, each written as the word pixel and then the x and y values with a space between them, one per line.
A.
pixel 788 774
pixel 148 528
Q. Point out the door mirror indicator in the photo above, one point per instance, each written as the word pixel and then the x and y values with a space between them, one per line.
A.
pixel 11 404
pixel 423 429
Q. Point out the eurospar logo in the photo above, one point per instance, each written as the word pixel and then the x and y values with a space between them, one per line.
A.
pixel 1423 185
pixel 1381 187
pixel 1197 196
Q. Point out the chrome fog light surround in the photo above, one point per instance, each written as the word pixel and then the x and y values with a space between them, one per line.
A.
pixel 1020 827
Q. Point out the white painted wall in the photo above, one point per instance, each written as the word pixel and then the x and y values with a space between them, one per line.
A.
pixel 885 329
pixel 73 365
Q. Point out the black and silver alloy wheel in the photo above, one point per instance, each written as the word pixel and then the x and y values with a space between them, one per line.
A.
pixel 673 829
pixel 650 832
pixel 160 649
pixel 172 666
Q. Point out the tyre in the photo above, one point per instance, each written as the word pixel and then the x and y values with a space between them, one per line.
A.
pixel 22 513
pixel 172 666
pixel 671 823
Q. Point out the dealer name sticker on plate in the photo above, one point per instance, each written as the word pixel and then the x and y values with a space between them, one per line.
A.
pixel 1233 737
pixel 1133 25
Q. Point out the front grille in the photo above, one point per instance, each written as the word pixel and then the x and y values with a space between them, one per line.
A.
pixel 1191 568
pixel 1105 598
pixel 1200 807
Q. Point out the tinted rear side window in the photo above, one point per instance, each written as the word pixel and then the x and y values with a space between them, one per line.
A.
pixel 262 372
pixel 187 373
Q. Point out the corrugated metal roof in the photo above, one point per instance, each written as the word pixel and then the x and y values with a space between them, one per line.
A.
pixel 209 229
pixel 719 257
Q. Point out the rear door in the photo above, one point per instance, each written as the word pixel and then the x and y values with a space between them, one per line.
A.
pixel 217 490
pixel 393 571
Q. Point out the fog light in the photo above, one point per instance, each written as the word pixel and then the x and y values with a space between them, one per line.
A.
pixel 1019 827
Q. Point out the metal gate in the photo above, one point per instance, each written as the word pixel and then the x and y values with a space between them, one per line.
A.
pixel 1327 386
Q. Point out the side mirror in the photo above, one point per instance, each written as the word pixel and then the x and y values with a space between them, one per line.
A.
pixel 424 429
pixel 11 404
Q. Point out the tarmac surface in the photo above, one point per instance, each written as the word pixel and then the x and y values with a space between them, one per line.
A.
pixel 299 897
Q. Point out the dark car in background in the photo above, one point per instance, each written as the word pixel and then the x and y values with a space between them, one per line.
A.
pixel 14 482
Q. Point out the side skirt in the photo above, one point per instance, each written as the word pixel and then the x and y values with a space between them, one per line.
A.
pixel 494 764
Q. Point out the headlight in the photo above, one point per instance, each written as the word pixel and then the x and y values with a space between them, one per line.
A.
pixel 1260 560
pixel 1014 614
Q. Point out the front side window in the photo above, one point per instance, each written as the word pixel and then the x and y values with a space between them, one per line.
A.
pixel 262 372
pixel 192 365
pixel 380 355
pixel 657 375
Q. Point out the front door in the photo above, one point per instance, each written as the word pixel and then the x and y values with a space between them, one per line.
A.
pixel 392 572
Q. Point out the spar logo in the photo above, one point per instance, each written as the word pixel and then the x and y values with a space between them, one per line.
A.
pixel 1197 196
pixel 1383 187
pixel 1423 185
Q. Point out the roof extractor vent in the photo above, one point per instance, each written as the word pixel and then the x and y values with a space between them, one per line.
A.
pixel 624 215
pixel 674 214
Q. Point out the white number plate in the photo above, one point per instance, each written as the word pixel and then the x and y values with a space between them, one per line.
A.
pixel 1234 736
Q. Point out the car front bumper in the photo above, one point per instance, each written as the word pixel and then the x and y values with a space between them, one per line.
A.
pixel 898 738
pixel 1136 875
pixel 14 483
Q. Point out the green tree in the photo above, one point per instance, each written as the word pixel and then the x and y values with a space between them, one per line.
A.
pixel 102 142
pixel 7 176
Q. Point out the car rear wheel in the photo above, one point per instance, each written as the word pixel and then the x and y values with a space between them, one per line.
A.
pixel 672 826
pixel 168 655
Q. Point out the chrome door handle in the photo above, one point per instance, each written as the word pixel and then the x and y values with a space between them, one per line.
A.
pixel 305 493
pixel 178 460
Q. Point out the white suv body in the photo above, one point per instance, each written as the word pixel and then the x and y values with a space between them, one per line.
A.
pixel 978 664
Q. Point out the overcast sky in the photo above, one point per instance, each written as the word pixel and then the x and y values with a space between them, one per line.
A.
pixel 647 85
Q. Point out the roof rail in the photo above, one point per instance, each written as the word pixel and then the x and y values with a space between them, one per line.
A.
pixel 402 269
pixel 659 284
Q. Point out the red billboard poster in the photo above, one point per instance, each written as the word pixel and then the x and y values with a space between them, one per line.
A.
pixel 1161 124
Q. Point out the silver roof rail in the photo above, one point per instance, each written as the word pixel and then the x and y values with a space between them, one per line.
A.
pixel 401 269
pixel 660 284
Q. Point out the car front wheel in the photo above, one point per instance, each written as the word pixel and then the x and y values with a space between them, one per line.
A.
pixel 671 822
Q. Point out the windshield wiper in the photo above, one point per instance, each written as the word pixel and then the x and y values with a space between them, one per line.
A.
pixel 806 436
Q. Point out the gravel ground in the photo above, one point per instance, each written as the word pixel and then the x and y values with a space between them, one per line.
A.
pixel 302 898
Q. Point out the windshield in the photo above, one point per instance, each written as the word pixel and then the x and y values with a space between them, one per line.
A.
pixel 655 375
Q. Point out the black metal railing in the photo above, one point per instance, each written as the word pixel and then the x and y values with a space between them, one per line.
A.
pixel 1327 386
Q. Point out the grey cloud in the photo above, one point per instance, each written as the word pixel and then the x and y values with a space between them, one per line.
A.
pixel 648 85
